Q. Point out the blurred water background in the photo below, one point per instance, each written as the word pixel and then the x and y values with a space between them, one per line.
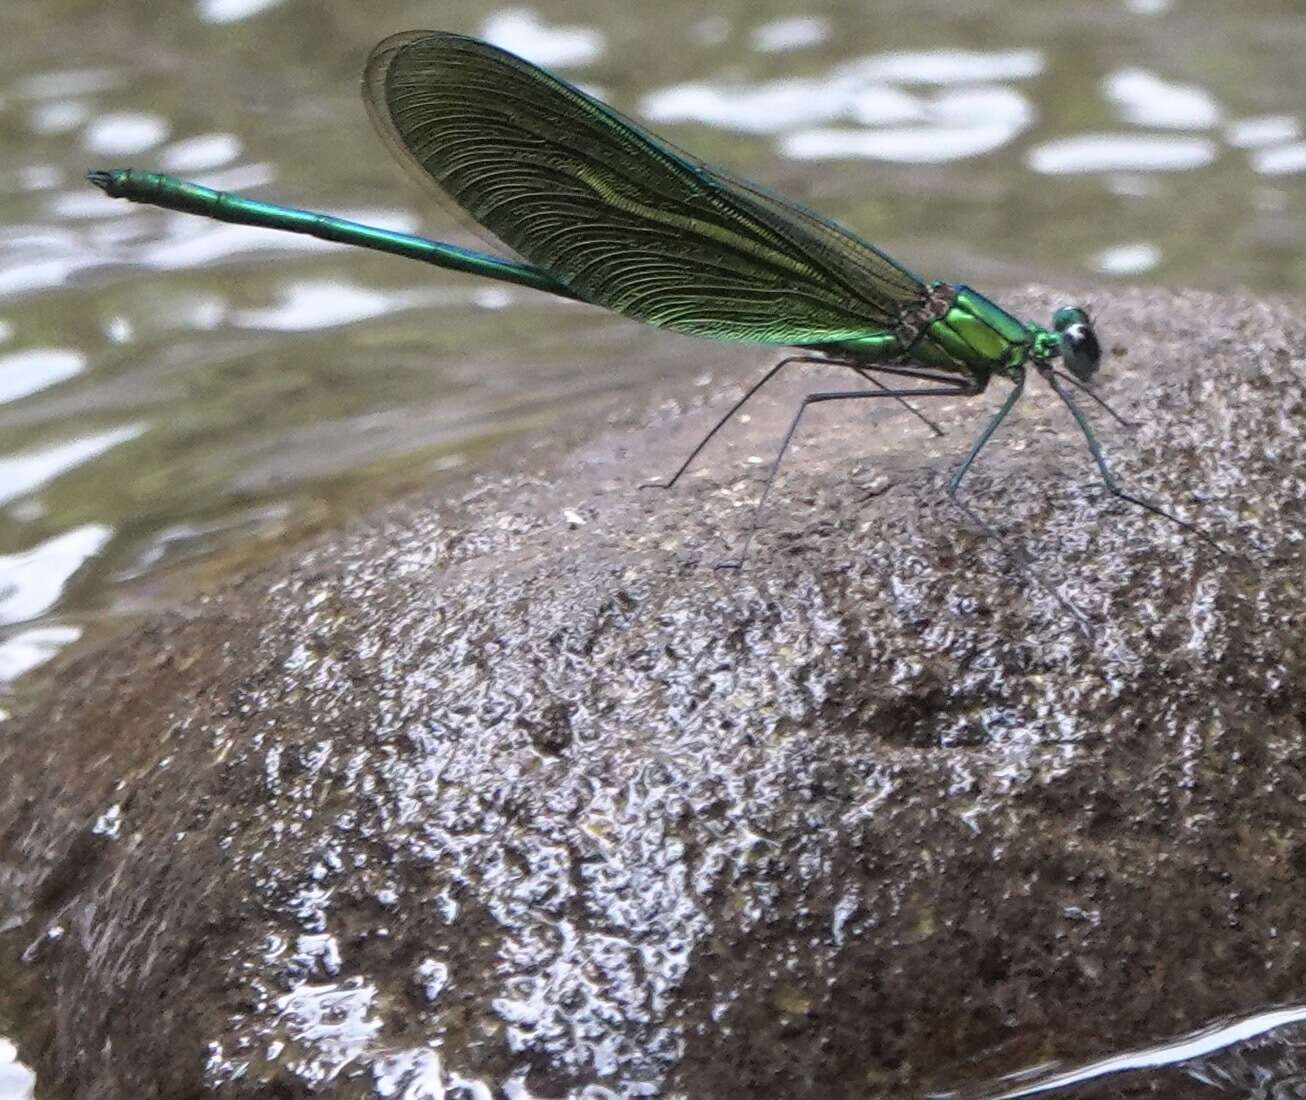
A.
pixel 177 396
pixel 178 393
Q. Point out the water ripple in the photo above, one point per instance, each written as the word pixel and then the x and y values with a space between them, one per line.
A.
pixel 944 66
pixel 1251 133
pixel 76 263
pixel 904 145
pixel 1144 99
pixel 1280 160
pixel 1127 259
pixel 19 654
pixel 232 11
pixel 31 582
pixel 768 108
pixel 125 133
pixel 58 116
pixel 957 123
pixel 1199 1044
pixel 26 372
pixel 325 303
pixel 23 473
pixel 791 34
pixel 525 34
pixel 1122 153
pixel 201 153
pixel 960 124
pixel 17 1082
pixel 69 82
pixel 337 1019
pixel 970 115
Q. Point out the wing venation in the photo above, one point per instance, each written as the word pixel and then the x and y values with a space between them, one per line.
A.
pixel 619 216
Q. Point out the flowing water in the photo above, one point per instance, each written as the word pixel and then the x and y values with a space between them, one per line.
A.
pixel 178 397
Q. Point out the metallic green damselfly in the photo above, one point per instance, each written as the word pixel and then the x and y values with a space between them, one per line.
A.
pixel 602 211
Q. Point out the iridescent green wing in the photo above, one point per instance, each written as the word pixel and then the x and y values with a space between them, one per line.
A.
pixel 622 218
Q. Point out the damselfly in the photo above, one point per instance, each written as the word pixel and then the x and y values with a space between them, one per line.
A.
pixel 602 211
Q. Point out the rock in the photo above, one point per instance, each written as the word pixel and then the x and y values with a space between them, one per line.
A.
pixel 517 791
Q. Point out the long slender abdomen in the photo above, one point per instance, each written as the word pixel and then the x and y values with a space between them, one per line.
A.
pixel 193 198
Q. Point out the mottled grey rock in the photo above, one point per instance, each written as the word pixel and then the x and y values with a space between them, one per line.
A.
pixel 518 791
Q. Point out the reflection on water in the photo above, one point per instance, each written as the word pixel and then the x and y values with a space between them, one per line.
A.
pixel 124 134
pixel 232 11
pixel 29 649
pixel 1253 133
pixel 1144 99
pixel 169 386
pixel 790 34
pixel 32 582
pixel 869 91
pixel 311 305
pixel 1127 259
pixel 1282 160
pixel 25 473
pixel 201 153
pixel 337 1020
pixel 1122 153
pixel 523 32
pixel 954 125
pixel 16 1080
pixel 1257 1057
pixel 58 116
pixel 24 372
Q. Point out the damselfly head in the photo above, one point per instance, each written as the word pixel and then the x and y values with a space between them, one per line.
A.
pixel 1080 351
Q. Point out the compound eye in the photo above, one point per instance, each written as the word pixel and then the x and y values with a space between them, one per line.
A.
pixel 1080 350
pixel 1070 315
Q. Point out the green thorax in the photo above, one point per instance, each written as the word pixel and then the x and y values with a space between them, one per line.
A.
pixel 959 331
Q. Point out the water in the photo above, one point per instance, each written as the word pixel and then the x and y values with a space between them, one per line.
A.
pixel 174 392
pixel 1258 1057
pixel 178 398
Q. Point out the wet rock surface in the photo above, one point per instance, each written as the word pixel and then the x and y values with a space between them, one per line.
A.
pixel 517 795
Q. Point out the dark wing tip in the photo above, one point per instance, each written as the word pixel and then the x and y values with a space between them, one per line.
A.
pixel 103 180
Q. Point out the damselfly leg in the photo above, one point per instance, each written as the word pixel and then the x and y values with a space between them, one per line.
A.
pixel 815 399
pixel 756 386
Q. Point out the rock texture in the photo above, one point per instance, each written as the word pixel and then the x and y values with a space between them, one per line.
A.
pixel 517 795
